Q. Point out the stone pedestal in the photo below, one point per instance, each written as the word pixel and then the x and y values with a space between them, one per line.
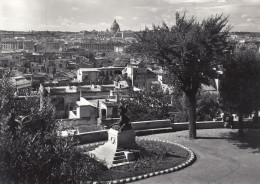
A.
pixel 116 151
pixel 124 139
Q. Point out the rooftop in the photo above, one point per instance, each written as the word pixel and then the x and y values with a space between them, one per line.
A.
pixel 84 102
pixel 98 69
pixel 110 104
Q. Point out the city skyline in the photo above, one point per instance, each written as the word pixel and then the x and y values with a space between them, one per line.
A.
pixel 78 15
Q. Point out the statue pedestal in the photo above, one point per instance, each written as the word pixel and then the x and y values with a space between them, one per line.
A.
pixel 116 151
pixel 124 139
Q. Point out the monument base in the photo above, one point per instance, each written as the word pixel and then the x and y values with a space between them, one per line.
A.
pixel 120 149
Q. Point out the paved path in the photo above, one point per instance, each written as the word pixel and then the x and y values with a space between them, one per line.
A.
pixel 222 158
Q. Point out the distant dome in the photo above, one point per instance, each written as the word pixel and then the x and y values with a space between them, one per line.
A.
pixel 114 27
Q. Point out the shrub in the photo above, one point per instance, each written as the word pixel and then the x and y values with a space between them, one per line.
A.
pixel 31 151
pixel 206 109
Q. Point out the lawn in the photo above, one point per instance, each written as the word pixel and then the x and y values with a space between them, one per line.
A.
pixel 154 156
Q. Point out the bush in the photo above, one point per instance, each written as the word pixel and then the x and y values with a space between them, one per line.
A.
pixel 207 106
pixel 43 157
pixel 31 151
pixel 147 105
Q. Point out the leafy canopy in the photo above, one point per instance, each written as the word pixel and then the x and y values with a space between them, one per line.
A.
pixel 239 85
pixel 188 51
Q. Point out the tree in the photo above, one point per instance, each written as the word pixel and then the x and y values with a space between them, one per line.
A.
pixel 7 91
pixel 189 53
pixel 207 106
pixel 147 105
pixel 239 85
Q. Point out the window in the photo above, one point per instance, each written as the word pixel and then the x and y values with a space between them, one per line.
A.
pixel 103 113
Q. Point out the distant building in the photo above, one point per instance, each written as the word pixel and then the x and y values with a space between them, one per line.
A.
pixel 13 44
pixel 65 95
pixel 104 35
pixel 141 77
pixel 101 46
pixel 22 85
pixel 84 110
pixel 98 75
pixel 124 35
pixel 114 28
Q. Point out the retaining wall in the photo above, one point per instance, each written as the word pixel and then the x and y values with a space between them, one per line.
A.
pixel 142 125
pixel 90 137
pixel 209 125
pixel 151 127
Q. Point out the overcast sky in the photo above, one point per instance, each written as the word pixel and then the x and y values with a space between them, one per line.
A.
pixel 77 15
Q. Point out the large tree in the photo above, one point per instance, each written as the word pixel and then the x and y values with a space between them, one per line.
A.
pixel 189 52
pixel 239 85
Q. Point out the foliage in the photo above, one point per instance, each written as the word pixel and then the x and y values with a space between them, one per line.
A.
pixel 189 53
pixel 7 90
pixel 180 106
pixel 31 151
pixel 147 105
pixel 207 106
pixel 239 85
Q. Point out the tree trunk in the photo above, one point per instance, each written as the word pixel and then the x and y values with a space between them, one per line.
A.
pixel 192 116
pixel 240 125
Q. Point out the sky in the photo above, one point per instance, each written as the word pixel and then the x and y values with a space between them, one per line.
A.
pixel 78 15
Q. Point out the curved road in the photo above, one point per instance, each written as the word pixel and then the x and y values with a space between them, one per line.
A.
pixel 222 158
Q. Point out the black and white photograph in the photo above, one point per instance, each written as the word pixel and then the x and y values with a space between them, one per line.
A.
pixel 129 91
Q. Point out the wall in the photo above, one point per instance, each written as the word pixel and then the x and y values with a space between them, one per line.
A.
pixel 90 137
pixel 79 122
pixel 87 111
pixel 141 125
pixel 69 101
pixel 79 76
pixel 72 115
pixel 209 125
pixel 102 135
pixel 92 76
pixel 109 112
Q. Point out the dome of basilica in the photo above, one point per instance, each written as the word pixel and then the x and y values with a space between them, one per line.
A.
pixel 114 27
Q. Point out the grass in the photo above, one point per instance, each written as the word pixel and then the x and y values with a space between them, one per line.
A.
pixel 154 156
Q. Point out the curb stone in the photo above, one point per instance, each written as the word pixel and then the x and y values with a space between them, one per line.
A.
pixel 188 162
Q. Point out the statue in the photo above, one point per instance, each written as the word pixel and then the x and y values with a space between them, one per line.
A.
pixel 124 122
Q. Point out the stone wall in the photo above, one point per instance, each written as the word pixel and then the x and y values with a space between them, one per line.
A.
pixel 153 124
pixel 147 126
pixel 90 137
pixel 209 125
pixel 79 121
pixel 151 127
